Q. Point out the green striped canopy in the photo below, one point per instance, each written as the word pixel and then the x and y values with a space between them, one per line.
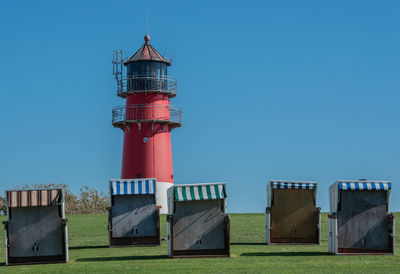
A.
pixel 199 192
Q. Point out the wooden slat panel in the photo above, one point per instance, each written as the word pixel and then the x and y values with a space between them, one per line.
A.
pixel 362 220
pixel 35 227
pixel 134 216
pixel 293 214
pixel 199 225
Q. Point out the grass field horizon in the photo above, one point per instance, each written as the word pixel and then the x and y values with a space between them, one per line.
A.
pixel 89 252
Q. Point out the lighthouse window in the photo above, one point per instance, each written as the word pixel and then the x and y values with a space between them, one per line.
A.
pixel 147 69
pixel 142 70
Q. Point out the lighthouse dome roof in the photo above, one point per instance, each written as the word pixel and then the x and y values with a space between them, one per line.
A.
pixel 147 53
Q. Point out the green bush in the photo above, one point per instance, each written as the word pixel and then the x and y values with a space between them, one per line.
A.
pixel 3 208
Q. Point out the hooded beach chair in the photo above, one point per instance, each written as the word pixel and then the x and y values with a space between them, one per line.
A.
pixel 359 222
pixel 36 229
pixel 197 225
pixel 292 216
pixel 134 218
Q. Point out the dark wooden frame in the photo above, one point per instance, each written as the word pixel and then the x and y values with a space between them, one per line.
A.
pixel 312 241
pixel 202 253
pixel 132 241
pixel 38 259
pixel 360 251
pixel 295 241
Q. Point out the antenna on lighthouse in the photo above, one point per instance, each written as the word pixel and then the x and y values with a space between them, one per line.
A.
pixel 147 21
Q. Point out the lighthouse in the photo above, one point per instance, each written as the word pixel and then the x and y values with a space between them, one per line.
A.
pixel 147 118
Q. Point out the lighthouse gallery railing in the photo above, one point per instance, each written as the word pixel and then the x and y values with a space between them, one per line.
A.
pixel 142 84
pixel 154 113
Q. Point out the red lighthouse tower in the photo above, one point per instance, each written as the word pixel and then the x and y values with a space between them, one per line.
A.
pixel 147 118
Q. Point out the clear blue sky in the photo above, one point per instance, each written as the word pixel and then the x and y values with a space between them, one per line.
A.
pixel 300 90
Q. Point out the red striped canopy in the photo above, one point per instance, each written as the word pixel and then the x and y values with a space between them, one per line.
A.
pixel 34 197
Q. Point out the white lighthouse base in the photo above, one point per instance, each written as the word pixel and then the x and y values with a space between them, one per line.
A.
pixel 161 196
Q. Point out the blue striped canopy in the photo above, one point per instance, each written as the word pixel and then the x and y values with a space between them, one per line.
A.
pixel 133 186
pixel 293 185
pixel 366 185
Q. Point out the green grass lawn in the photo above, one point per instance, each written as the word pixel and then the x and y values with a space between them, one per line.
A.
pixel 89 252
